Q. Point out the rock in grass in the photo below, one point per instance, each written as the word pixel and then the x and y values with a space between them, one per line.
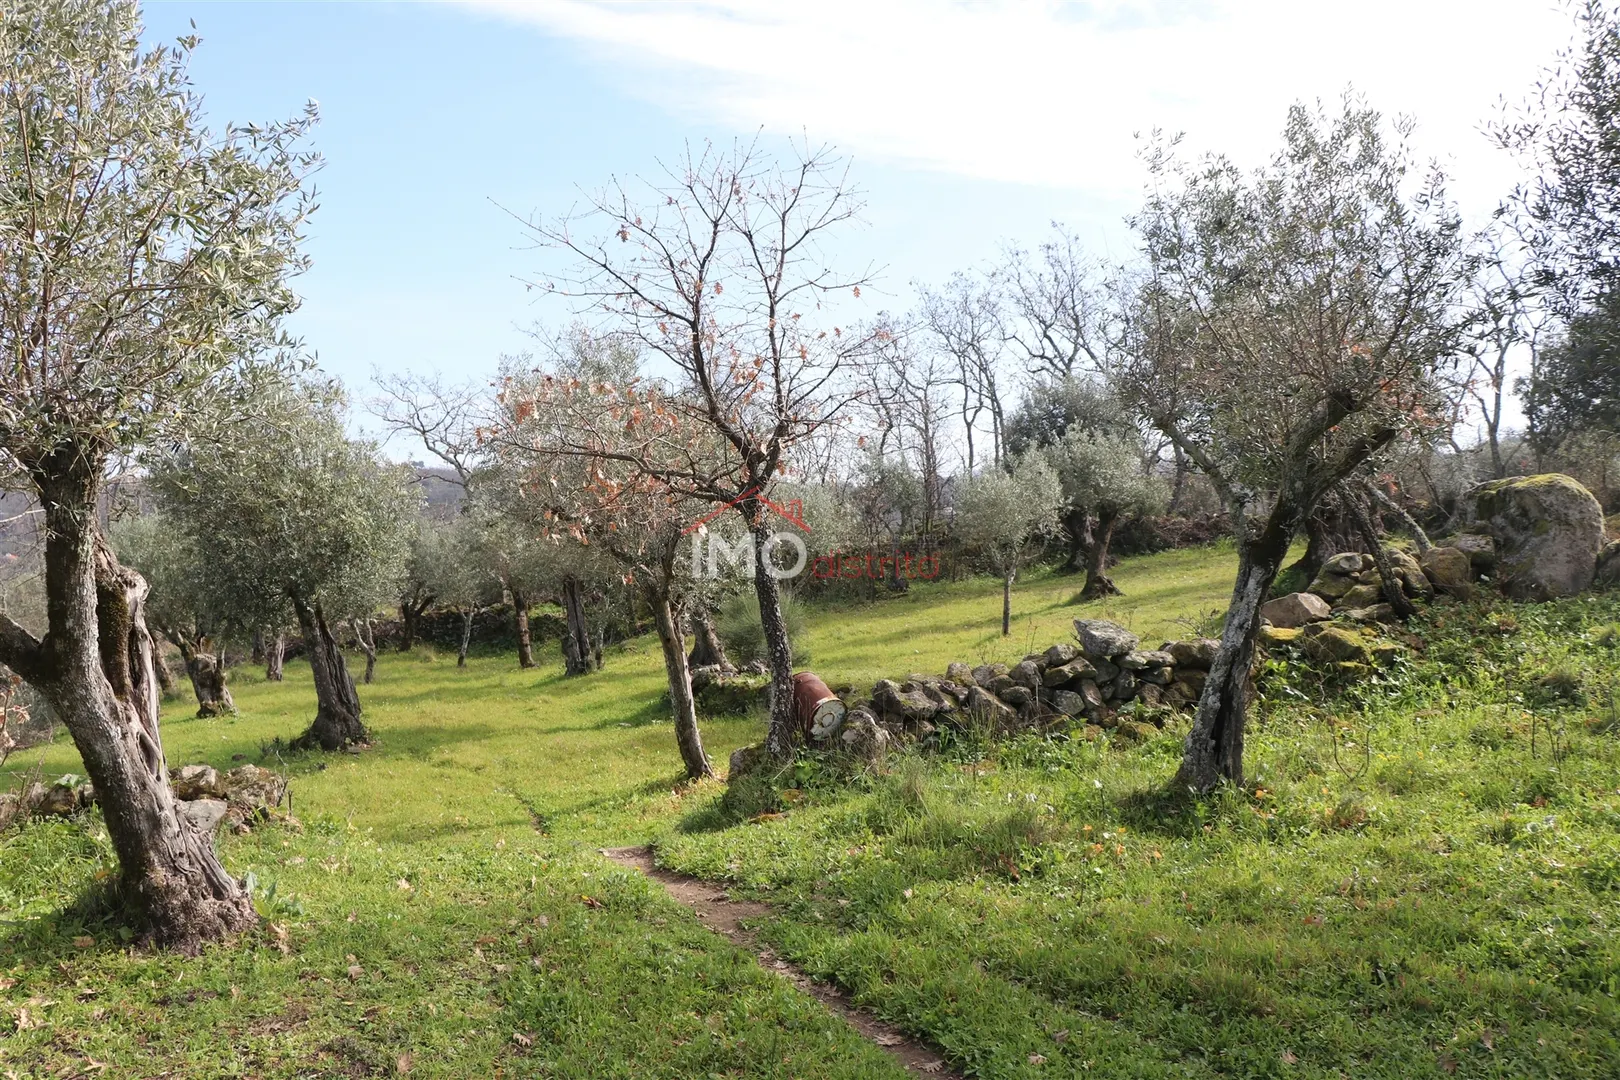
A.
pixel 1026 674
pixel 959 673
pixel 985 674
pixel 1135 731
pixel 1275 636
pixel 987 706
pixel 1294 610
pixel 1142 659
pixel 1548 531
pixel 1100 638
pixel 862 736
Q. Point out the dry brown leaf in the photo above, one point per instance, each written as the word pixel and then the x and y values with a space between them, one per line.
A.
pixel 932 1066
pixel 84 941
pixel 888 1040
pixel 522 1040
pixel 1289 1058
pixel 1037 1059
pixel 355 971
pixel 403 1063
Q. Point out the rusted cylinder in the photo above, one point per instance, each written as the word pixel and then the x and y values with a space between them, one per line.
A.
pixel 816 708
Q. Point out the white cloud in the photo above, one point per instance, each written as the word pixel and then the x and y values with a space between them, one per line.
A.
pixel 1052 94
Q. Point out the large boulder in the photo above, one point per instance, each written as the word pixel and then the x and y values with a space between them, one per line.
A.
pixel 1326 643
pixel 1100 638
pixel 1294 610
pixel 1548 531
pixel 250 789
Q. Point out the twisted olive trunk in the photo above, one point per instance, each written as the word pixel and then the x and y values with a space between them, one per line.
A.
pixel 337 721
pixel 206 670
pixel 466 635
pixel 1098 583
pixel 1006 602
pixel 688 739
pixel 520 608
pixel 1214 748
pixel 579 657
pixel 367 640
pixel 95 669
pixel 410 620
pixel 707 648
pixel 275 654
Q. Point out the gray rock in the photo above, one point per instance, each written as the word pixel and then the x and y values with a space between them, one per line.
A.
pixel 197 782
pixel 1195 653
pixel 1026 674
pixel 960 674
pixel 1075 669
pixel 1548 531
pixel 887 697
pixel 1480 549
pixel 1061 654
pixel 1142 659
pixel 1295 610
pixel 1124 687
pixel 1000 684
pixel 1106 672
pixel 988 706
pixel 204 814
pixel 1092 693
pixel 1348 563
pixel 745 759
pixel 1608 564
pixel 1150 694
pixel 862 736
pixel 1331 587
pixel 1104 639
pixel 1019 697
pixel 1159 675
pixel 250 789
pixel 1068 703
pixel 984 674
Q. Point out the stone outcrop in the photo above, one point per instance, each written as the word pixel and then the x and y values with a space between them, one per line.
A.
pixel 1548 533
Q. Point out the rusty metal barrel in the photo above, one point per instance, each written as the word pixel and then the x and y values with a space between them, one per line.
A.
pixel 816 709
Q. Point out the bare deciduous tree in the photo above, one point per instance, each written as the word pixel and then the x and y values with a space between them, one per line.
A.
pixel 717 271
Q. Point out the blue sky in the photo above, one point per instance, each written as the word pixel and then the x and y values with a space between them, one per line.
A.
pixel 968 124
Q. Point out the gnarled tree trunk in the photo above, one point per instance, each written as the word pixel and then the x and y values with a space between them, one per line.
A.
pixel 258 646
pixel 1214 747
pixel 1077 526
pixel 687 737
pixel 1098 583
pixel 337 713
pixel 466 635
pixel 520 609
pixel 1006 602
pixel 580 657
pixel 275 654
pixel 367 640
pixel 95 670
pixel 707 648
pixel 1393 593
pixel 206 670
pixel 410 620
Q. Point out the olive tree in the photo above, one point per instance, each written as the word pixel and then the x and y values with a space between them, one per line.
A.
pixel 1006 516
pixel 144 257
pixel 293 512
pixel 718 272
pixel 181 605
pixel 1103 479
pixel 1290 325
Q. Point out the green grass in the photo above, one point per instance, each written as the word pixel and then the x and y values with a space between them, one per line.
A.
pixel 1444 901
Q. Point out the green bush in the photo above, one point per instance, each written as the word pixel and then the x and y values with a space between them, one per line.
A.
pixel 744 638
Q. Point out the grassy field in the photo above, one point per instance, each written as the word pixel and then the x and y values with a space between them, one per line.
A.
pixel 1404 889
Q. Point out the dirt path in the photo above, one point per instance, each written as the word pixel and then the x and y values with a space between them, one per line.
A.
pixel 724 916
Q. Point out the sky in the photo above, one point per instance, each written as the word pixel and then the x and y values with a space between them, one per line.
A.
pixel 967 125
